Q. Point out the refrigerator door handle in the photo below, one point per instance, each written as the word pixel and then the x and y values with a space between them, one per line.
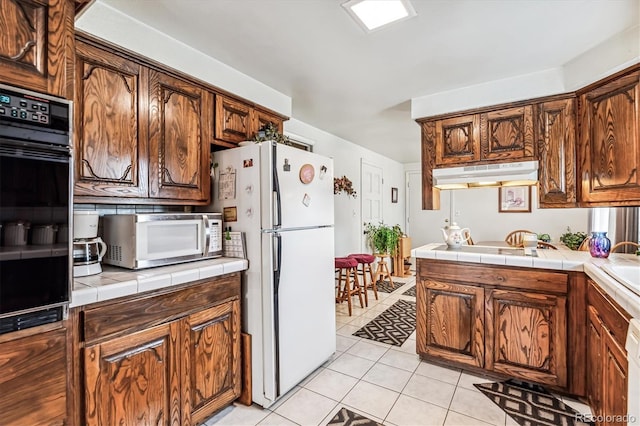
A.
pixel 277 264
pixel 277 210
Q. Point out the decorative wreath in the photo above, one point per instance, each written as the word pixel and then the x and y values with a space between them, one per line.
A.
pixel 343 184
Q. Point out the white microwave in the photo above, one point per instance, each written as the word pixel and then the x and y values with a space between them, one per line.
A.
pixel 137 241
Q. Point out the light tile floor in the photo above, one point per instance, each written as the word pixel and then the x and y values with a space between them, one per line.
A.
pixel 385 383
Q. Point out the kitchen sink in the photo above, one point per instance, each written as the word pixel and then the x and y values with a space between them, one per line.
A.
pixel 627 275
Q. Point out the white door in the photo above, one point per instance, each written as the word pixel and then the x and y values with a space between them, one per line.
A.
pixel 371 190
pixel 423 226
pixel 305 180
pixel 304 304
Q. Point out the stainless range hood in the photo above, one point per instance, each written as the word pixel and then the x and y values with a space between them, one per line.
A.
pixel 483 175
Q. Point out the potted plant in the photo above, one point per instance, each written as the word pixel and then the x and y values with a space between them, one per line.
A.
pixel 345 185
pixel 572 239
pixel 383 238
pixel 269 132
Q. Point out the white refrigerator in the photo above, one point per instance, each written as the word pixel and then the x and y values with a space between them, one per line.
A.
pixel 282 198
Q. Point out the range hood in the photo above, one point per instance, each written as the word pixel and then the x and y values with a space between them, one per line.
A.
pixel 483 175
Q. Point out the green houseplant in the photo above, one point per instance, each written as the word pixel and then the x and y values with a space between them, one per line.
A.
pixel 269 132
pixel 572 239
pixel 383 238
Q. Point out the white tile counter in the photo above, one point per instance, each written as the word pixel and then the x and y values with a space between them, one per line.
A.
pixel 116 282
pixel 566 260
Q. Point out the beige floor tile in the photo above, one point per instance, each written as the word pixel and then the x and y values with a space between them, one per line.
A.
pixel 444 374
pixel 430 390
pixel 345 342
pixel 284 398
pixel 403 360
pixel 275 419
pixel 467 380
pixel 457 419
pixel 387 377
pixel 351 365
pixel 306 407
pixel 317 371
pixel 368 350
pixel 361 321
pixel 347 330
pixel 413 412
pixel 331 384
pixel 371 399
pixel 474 404
pixel 511 422
pixel 238 414
pixel 409 347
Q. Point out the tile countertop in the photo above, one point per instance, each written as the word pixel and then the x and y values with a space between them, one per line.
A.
pixel 566 260
pixel 116 282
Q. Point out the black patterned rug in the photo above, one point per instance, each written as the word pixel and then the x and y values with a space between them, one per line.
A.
pixel 393 326
pixel 346 417
pixel 385 286
pixel 410 292
pixel 531 405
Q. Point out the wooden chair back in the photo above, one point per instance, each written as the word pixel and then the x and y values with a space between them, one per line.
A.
pixel 621 244
pixel 514 238
pixel 544 245
pixel 584 245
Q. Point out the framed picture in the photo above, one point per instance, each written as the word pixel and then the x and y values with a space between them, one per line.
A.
pixel 514 199
pixel 394 195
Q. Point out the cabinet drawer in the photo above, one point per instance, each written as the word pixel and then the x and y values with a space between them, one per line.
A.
pixel 520 279
pixel 138 312
pixel 615 320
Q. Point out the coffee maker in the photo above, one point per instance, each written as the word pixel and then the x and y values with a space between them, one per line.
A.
pixel 88 248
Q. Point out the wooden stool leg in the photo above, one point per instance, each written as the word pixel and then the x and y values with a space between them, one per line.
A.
pixel 388 274
pixel 356 286
pixel 366 267
pixel 364 284
pixel 347 289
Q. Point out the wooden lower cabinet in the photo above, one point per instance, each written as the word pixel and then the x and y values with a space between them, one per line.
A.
pixel 607 378
pixel 33 383
pixel 452 324
pixel 134 379
pixel 510 321
pixel 173 360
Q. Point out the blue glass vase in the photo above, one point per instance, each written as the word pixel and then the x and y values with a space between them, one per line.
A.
pixel 599 245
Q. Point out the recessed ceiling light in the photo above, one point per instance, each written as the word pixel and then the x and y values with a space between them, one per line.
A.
pixel 374 14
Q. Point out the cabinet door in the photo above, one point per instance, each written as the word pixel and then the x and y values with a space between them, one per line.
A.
pixel 33 382
pixel 507 134
pixel 212 362
pixel 615 380
pixel 110 125
pixel 262 118
pixel 610 142
pixel 450 322
pixel 457 140
pixel 556 152
pixel 179 124
pixel 594 362
pixel 36 45
pixel 526 336
pixel 233 121
pixel 134 379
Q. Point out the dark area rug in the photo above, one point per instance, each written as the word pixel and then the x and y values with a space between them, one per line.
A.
pixel 346 417
pixel 385 286
pixel 393 326
pixel 531 405
pixel 410 292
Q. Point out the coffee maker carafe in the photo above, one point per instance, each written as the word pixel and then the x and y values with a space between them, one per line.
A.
pixel 88 248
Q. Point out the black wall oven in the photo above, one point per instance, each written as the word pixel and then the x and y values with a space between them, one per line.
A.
pixel 35 208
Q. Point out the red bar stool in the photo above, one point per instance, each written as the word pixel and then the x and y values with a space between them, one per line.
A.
pixel 346 268
pixel 365 260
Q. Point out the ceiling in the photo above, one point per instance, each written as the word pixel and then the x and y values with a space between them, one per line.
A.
pixel 359 86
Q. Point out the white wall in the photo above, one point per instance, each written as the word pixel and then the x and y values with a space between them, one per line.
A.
pixel 477 209
pixel 347 157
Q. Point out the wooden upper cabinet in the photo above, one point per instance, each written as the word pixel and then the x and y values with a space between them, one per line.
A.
pixel 507 134
pixel 110 132
pixel 262 118
pixel 526 335
pixel 610 142
pixel 457 140
pixel 179 125
pixel 134 379
pixel 213 380
pixel 233 122
pixel 36 45
pixel 556 141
